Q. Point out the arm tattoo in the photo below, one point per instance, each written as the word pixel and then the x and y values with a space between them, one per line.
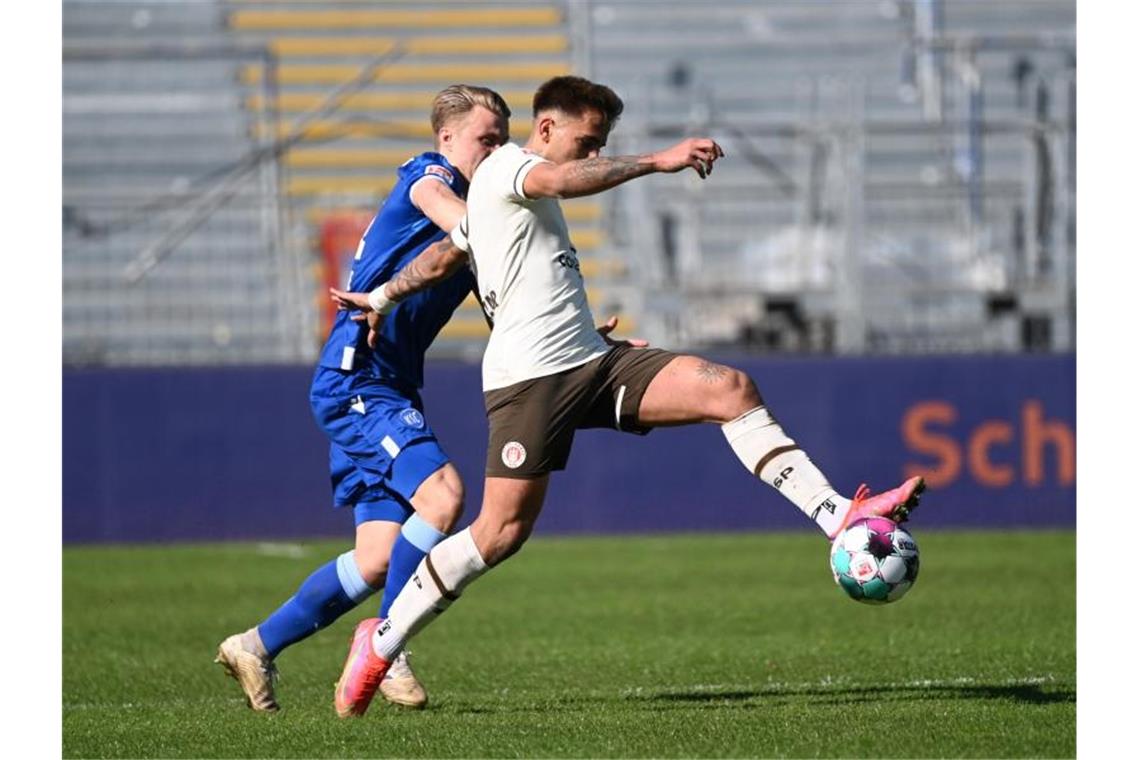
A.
pixel 710 372
pixel 434 264
pixel 410 279
pixel 591 175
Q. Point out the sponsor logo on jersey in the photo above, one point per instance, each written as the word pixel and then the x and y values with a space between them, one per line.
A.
pixel 440 172
pixel 490 304
pixel 514 454
pixel 412 418
pixel 569 260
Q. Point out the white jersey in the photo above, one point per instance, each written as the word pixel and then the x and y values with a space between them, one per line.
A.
pixel 529 282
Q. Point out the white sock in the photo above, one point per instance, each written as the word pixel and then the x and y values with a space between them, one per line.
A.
pixel 767 451
pixel 438 581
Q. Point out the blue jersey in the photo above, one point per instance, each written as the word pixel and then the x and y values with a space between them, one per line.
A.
pixel 398 232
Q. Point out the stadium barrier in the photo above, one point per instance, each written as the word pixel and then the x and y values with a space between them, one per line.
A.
pixel 233 453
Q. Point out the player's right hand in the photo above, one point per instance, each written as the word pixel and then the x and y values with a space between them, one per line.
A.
pixel 374 321
pixel 346 301
pixel 700 153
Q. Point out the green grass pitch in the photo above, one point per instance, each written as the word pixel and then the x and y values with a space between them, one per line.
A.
pixel 678 646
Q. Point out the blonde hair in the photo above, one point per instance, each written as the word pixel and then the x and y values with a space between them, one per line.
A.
pixel 459 99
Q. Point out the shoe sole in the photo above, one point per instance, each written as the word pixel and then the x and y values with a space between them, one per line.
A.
pixel 902 511
pixel 406 705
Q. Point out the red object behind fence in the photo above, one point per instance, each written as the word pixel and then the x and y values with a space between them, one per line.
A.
pixel 340 234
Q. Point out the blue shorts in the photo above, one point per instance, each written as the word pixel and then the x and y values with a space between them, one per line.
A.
pixel 382 448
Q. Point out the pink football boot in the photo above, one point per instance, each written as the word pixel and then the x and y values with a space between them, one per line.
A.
pixel 895 504
pixel 362 674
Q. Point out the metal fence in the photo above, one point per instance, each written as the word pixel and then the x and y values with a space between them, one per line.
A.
pixel 901 178
pixel 173 245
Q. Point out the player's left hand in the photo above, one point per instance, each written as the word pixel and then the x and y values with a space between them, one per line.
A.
pixel 346 301
pixel 609 326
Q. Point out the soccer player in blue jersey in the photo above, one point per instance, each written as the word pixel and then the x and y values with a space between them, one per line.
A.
pixel 384 459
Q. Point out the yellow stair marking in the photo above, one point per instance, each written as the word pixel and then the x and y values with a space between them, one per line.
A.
pixel 519 101
pixel 582 211
pixel 319 185
pixel 465 329
pixel 310 158
pixel 360 19
pixel 497 45
pixel 328 129
pixel 597 267
pixel 586 239
pixel 446 73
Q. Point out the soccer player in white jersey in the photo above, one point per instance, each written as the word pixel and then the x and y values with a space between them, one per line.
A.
pixel 547 372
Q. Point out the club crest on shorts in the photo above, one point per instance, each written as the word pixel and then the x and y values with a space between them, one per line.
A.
pixel 514 454
pixel 412 418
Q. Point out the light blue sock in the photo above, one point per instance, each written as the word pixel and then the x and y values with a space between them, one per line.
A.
pixel 416 539
pixel 334 589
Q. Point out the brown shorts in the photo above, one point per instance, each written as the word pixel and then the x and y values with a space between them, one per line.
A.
pixel 532 423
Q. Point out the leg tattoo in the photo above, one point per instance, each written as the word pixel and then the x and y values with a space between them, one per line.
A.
pixel 710 372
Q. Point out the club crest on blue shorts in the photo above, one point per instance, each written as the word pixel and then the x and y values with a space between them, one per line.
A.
pixel 412 418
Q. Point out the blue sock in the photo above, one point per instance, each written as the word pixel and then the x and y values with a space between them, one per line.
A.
pixel 334 589
pixel 416 539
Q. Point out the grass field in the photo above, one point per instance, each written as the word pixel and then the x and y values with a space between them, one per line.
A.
pixel 665 647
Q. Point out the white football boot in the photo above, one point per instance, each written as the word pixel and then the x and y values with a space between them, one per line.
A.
pixel 400 685
pixel 246 661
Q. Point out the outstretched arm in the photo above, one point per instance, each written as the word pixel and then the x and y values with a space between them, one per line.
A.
pixel 434 264
pixel 438 202
pixel 588 176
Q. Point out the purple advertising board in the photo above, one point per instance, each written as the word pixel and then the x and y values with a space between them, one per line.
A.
pixel 184 454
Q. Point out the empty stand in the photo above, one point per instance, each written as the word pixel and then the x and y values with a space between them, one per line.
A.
pixel 888 186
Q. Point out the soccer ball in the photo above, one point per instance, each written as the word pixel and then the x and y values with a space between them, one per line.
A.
pixel 874 560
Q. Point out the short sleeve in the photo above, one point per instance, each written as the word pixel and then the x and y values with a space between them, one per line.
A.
pixel 431 172
pixel 512 171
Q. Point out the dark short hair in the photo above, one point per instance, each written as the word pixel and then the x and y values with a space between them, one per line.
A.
pixel 575 95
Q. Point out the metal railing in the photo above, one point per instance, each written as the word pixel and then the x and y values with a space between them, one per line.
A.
pixel 169 180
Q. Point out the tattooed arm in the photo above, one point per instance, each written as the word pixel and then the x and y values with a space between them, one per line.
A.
pixel 434 264
pixel 588 176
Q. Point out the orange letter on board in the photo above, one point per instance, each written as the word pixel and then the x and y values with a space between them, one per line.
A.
pixel 918 438
pixel 1036 433
pixel 985 472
